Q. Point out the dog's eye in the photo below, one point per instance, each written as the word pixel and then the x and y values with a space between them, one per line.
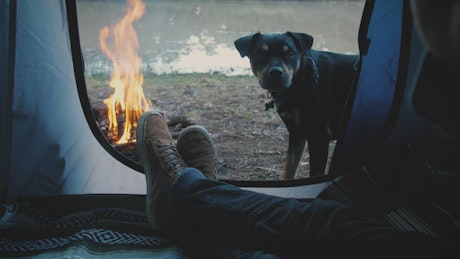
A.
pixel 289 53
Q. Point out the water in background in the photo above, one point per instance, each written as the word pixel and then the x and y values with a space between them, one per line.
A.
pixel 197 36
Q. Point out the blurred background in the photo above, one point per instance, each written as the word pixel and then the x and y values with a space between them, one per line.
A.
pixel 197 36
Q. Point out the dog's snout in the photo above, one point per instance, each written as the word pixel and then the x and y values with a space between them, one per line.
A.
pixel 275 72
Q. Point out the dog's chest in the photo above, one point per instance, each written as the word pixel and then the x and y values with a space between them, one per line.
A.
pixel 292 110
pixel 294 116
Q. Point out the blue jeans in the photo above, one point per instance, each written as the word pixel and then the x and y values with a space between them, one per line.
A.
pixel 216 216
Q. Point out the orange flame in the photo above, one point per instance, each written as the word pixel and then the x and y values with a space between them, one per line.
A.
pixel 126 77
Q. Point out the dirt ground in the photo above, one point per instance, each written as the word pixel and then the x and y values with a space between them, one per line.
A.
pixel 251 142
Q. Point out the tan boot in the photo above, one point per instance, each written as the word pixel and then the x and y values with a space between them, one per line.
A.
pixel 161 163
pixel 196 148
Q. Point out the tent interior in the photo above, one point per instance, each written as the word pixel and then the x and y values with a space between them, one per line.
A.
pixel 65 191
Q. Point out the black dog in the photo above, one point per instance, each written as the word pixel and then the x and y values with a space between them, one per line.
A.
pixel 308 87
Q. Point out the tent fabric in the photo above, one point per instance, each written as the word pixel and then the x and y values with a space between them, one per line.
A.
pixel 396 138
pixel 51 150
pixel 382 118
pixel 400 129
pixel 373 97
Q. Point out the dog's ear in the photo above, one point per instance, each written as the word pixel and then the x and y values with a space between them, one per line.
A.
pixel 243 45
pixel 303 41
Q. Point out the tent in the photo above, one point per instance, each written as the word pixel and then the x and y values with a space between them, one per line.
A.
pixel 65 191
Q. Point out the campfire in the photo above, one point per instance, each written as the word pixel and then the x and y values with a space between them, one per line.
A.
pixel 127 103
pixel 117 115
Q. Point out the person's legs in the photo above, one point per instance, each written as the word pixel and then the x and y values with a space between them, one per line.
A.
pixel 212 215
pixel 220 214
pixel 196 148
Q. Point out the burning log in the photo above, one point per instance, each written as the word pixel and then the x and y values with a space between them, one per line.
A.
pixel 100 113
pixel 175 122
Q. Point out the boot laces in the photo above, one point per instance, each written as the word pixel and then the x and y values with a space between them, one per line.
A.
pixel 170 157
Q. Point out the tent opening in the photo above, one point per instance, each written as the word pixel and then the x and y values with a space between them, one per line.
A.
pixel 178 57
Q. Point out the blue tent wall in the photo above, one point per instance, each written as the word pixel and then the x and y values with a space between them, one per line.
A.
pixel 380 48
pixel 382 118
pixel 47 147
pixel 403 125
pixel 406 127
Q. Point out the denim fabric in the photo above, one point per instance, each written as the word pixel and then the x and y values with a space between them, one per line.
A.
pixel 220 215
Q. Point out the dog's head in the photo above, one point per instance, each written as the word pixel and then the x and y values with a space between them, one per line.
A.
pixel 275 58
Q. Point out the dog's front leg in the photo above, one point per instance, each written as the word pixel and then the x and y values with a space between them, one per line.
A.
pixel 295 151
pixel 318 149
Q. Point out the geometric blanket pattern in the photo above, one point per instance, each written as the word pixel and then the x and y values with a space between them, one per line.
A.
pixel 101 236
pixel 24 228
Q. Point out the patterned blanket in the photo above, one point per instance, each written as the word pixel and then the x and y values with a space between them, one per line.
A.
pixel 54 226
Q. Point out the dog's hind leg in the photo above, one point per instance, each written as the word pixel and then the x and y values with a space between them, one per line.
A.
pixel 295 151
